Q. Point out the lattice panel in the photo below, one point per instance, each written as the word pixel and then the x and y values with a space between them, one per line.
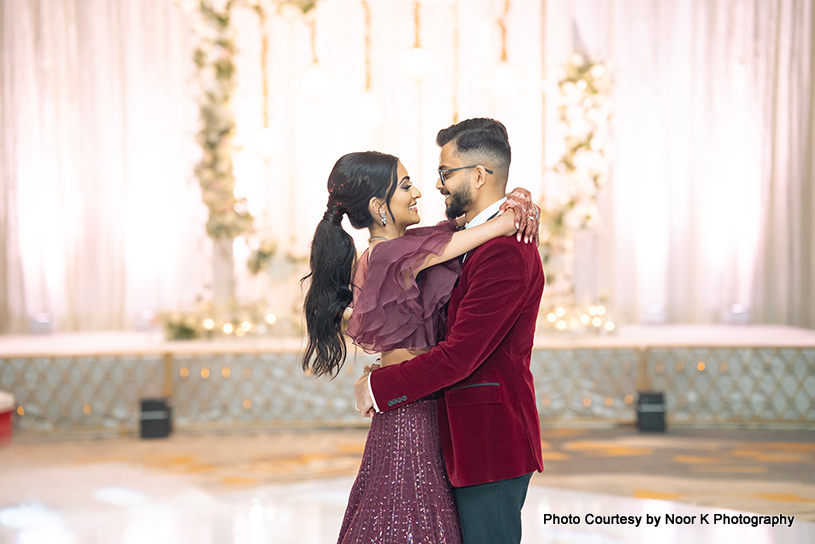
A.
pixel 258 388
pixel 731 385
pixel 712 384
pixel 89 392
pixel 585 383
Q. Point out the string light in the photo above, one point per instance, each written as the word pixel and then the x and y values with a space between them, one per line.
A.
pixel 415 58
pixel 368 112
pixel 507 80
pixel 316 83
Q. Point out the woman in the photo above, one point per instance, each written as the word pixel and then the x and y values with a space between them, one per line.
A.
pixel 398 292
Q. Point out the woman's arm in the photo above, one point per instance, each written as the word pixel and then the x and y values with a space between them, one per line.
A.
pixel 468 239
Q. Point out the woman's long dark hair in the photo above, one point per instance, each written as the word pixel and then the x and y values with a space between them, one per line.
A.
pixel 354 180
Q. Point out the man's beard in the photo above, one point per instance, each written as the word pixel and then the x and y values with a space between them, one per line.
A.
pixel 460 202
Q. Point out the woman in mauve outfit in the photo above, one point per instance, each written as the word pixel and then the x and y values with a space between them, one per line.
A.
pixel 398 291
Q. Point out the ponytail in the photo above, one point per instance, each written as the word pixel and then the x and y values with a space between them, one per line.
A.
pixel 332 262
pixel 354 180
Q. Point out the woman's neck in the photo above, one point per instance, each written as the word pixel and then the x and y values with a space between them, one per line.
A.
pixel 388 232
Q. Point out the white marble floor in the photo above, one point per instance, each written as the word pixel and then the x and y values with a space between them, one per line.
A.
pixel 123 504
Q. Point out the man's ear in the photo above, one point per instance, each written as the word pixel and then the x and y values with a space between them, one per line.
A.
pixel 480 176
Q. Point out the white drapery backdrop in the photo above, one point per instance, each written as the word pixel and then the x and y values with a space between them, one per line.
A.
pixel 715 151
pixel 708 205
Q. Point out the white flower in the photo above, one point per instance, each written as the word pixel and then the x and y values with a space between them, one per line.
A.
pixel 598 71
pixel 218 5
pixel 572 218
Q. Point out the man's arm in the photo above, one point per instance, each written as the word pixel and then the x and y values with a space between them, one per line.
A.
pixel 497 292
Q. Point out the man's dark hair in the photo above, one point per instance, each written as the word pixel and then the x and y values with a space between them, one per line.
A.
pixel 483 138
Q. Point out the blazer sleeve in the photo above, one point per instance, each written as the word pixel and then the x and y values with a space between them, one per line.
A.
pixel 497 292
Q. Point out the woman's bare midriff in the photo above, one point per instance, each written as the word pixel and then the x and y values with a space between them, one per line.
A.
pixel 396 356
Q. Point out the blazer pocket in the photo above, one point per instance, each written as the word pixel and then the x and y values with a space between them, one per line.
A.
pixel 478 393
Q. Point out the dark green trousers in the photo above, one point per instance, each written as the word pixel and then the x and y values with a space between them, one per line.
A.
pixel 491 513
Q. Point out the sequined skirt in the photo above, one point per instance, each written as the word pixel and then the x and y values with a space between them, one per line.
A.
pixel 402 494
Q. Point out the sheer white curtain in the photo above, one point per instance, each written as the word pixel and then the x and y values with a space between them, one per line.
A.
pixel 101 215
pixel 709 204
pixel 712 191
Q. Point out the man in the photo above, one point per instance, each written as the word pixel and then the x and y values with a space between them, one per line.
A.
pixel 488 419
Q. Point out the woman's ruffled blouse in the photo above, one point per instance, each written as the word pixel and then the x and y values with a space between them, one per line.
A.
pixel 392 309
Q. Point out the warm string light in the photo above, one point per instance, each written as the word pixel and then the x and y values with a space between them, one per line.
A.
pixel 543 78
pixel 264 69
pixel 506 80
pixel 589 319
pixel 455 63
pixel 367 9
pixel 313 26
pixel 502 24
pixel 417 44
pixel 415 57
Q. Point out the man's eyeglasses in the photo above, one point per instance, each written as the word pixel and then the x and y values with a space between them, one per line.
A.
pixel 446 171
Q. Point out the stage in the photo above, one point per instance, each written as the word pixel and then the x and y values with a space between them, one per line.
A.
pixel 709 375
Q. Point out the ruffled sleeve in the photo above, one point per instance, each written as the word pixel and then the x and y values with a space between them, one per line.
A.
pixel 392 309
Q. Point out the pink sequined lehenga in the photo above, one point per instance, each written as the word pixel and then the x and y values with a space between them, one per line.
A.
pixel 402 494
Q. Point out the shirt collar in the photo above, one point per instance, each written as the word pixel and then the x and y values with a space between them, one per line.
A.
pixel 485 214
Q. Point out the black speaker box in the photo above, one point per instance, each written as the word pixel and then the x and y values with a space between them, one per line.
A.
pixel 651 411
pixel 156 421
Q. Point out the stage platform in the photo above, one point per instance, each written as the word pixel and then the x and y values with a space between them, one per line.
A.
pixel 709 375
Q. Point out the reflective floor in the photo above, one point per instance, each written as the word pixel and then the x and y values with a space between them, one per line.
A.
pixel 119 503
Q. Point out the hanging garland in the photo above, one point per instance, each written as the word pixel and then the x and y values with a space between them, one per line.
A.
pixel 581 172
pixel 585 112
pixel 214 58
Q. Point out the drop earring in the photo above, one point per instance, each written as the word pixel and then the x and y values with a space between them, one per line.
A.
pixel 384 219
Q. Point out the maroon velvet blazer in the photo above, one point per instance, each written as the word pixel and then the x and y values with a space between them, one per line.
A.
pixel 488 417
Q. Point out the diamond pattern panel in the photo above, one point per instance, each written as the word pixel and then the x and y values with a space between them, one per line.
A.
pixel 735 385
pixel 60 393
pixel 261 388
pixel 228 390
pixel 585 383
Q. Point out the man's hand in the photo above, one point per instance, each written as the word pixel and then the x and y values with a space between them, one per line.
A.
pixel 362 396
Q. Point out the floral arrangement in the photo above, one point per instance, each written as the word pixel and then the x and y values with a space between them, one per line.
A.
pixel 581 171
pixel 585 112
pixel 228 215
pixel 181 325
pixel 261 256
pixel 206 321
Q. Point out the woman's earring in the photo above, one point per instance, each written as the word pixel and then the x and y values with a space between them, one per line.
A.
pixel 384 219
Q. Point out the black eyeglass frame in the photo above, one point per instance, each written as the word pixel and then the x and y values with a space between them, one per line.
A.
pixel 444 171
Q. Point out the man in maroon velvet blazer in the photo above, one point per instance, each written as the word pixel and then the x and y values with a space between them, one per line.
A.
pixel 488 418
